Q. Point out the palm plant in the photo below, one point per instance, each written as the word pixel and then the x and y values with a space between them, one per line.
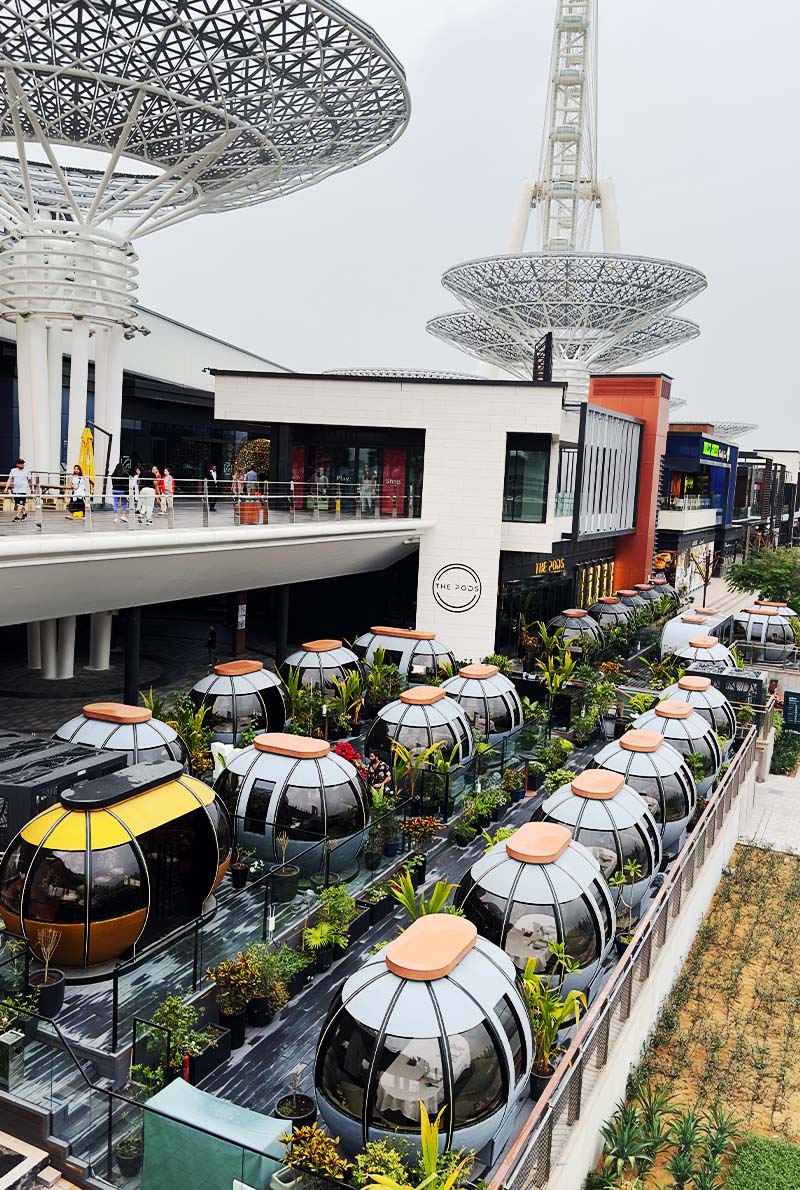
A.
pixel 429 1163
pixel 682 1169
pixel 384 680
pixel 624 1146
pixel 415 906
pixel 722 1129
pixel 155 703
pixel 408 763
pixel 193 725
pixel 483 751
pixel 292 684
pixel 549 1011
pixel 628 874
pixel 345 699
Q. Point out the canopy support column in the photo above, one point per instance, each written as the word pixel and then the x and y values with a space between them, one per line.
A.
pixel 133 638
pixel 100 640
pixel 34 645
pixel 66 648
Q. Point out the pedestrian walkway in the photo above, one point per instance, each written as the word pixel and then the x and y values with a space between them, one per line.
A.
pixel 773 821
pixel 720 595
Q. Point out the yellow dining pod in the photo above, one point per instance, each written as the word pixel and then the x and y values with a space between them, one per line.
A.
pixel 141 848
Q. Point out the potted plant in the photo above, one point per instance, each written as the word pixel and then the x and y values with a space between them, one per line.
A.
pixel 745 718
pixel 49 982
pixel 445 765
pixel 292 968
pixel 272 995
pixel 630 872
pixel 421 831
pixel 513 783
pixel 285 876
pixel 558 777
pixel 379 899
pixel 17 1024
pixel 321 940
pixel 344 703
pixel 549 1011
pixel 387 822
pixel 464 833
pixel 177 1037
pixel 300 1109
pixel 384 683
pixel 129 1152
pixel 409 764
pixel 372 854
pixel 237 981
pixel 241 866
pixel 640 704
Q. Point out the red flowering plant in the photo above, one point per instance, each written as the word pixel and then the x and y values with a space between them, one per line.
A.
pixel 421 830
pixel 348 752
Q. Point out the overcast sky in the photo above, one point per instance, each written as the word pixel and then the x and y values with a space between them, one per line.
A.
pixel 698 112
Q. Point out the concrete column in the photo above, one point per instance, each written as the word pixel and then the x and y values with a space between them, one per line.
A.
pixel 55 355
pixel 113 398
pixel 133 636
pixel 100 641
pixel 240 627
pixel 49 641
pixel 281 623
pixel 65 666
pixel 40 396
pixel 78 381
pixel 34 645
pixel 24 398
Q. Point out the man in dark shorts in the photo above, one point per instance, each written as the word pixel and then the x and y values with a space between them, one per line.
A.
pixel 378 774
pixel 19 481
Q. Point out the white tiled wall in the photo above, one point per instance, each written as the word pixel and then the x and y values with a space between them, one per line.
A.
pixel 465 431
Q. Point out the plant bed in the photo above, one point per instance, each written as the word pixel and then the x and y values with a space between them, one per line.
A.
pixel 379 910
pixel 217 1052
pixel 235 1023
pixel 300 1110
pixel 360 923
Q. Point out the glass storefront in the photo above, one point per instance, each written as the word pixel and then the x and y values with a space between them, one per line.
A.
pixel 382 479
pixel 525 489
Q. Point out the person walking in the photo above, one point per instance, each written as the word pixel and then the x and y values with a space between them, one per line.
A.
pixel 251 479
pixel 77 492
pixel 169 487
pixel 212 488
pixel 19 483
pixel 147 500
pixel 119 492
pixel 158 487
pixel 378 773
pixel 137 479
pixel 211 644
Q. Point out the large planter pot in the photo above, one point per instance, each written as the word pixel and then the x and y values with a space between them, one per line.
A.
pixel 380 910
pixel 12 1059
pixel 51 994
pixel 538 1082
pixel 517 795
pixel 201 1065
pixel 324 957
pixel 259 1012
pixel 417 873
pixel 297 1110
pixel 608 725
pixel 284 883
pixel 372 860
pixel 239 875
pixel 622 942
pixel 391 847
pixel 129 1164
pixel 462 842
pixel 236 1022
pixel 299 980
pixel 360 923
pixel 535 781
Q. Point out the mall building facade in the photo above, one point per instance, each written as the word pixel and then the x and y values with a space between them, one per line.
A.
pixel 527 494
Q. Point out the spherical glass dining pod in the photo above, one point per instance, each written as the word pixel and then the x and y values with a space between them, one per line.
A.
pixel 320 661
pixel 417 654
pixel 143 847
pixel 632 598
pixel 579 629
pixel 710 703
pixel 612 821
pixel 665 589
pixel 435 1018
pixel 241 695
pixel 647 591
pixel 488 699
pixel 658 773
pixel 539 887
pixel 611 612
pixel 421 716
pixel 708 652
pixel 769 634
pixel 294 786
pixel 782 609
pixel 116 727
pixel 689 733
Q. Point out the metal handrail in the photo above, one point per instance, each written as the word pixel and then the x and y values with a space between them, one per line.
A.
pixel 577 1050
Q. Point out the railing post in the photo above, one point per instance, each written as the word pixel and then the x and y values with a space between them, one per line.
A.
pixel 131 504
pixel 37 509
pixel 195 957
pixel 411 512
pixel 394 503
pixel 205 503
pixel 316 501
pixel 292 509
pixel 171 510
pixel 87 514
pixel 110 1140
pixel 115 1009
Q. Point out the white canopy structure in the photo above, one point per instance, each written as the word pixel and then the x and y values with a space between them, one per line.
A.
pixel 179 110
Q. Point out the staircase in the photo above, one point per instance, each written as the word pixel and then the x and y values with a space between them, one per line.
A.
pixel 720 596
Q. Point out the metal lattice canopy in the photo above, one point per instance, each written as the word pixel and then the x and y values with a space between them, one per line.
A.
pixel 401 374
pixel 225 102
pixel 734 429
pixel 603 309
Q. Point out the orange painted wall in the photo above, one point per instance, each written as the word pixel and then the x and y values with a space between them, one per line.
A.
pixel 645 397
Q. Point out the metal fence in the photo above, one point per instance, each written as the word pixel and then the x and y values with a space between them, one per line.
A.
pixel 544 1135
pixel 54 505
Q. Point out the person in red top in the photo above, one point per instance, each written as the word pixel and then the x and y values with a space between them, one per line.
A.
pixel 161 494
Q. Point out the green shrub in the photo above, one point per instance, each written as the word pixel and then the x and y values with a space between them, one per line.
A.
pixel 763 1164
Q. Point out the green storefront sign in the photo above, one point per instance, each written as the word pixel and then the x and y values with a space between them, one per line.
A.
pixel 716 450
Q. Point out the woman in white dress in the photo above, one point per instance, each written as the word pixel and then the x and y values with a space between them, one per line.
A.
pixel 77 491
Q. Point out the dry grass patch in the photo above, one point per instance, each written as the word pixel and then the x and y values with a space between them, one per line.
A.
pixel 728 1032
